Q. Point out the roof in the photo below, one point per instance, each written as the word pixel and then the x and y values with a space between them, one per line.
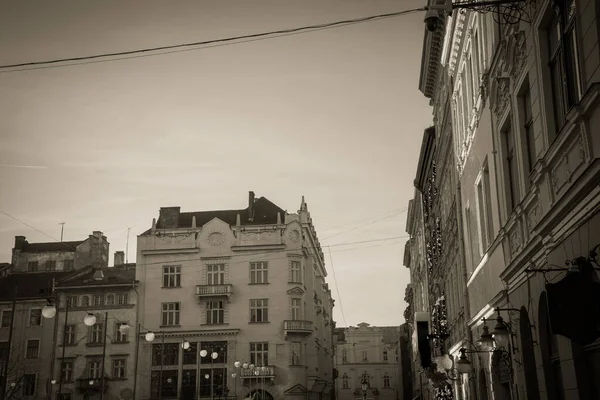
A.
pixel 111 276
pixel 30 285
pixel 50 246
pixel 265 213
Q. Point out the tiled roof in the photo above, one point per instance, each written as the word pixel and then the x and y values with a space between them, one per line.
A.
pixel 112 276
pixel 50 246
pixel 30 285
pixel 265 213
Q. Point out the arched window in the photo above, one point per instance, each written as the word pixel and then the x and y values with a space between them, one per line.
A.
pixel 386 380
pixel 85 301
pixel 549 351
pixel 345 383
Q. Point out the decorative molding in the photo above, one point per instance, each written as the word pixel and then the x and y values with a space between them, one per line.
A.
pixel 501 95
pixel 514 239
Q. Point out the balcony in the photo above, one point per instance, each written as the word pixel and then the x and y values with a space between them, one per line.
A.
pixel 297 327
pixel 92 385
pixel 267 373
pixel 214 291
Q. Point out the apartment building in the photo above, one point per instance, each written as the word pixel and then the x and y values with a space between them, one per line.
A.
pixel 59 256
pixel 525 124
pixel 367 354
pixel 27 340
pixel 96 321
pixel 234 303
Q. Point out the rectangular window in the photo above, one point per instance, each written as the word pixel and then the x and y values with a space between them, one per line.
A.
pixel 190 355
pixel 171 276
pixel 215 274
pixel 94 369
pixel 50 265
pixel 259 354
pixel 296 308
pixel 6 318
pixel 167 388
pixel 188 384
pixel 296 353
pixel 219 347
pixel 484 211
pixel 385 355
pixel 259 272
pixel 215 312
pixel 70 338
pixel 69 265
pixel 119 369
pixel 528 135
pixel 33 348
pixel 72 301
pixel 170 355
pixel 213 386
pixel 29 384
pixel 512 170
pixel 96 334
pixel 170 314
pixel 98 300
pixel 35 317
pixel 344 356
pixel 295 272
pixel 67 371
pixel 120 337
pixel 564 61
pixel 259 310
pixel 32 266
pixel 365 356
pixel 122 299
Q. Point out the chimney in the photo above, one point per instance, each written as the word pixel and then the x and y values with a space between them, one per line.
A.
pixel 119 258
pixel 97 234
pixel 169 217
pixel 20 242
pixel 251 206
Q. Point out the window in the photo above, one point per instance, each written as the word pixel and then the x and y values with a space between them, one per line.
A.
pixel 32 266
pixel 564 60
pixel 365 356
pixel 345 381
pixel 119 368
pixel 69 265
pixel 259 310
pixel 110 299
pixel 70 338
pixel 98 300
pixel 385 355
pixel 386 380
pixel 259 354
pixel 215 274
pixel 295 272
pixel 211 387
pixel 296 302
pixel 167 388
pixel 171 276
pixel 50 265
pixel 94 369
pixel 67 371
pixel 85 301
pixel 484 209
pixel 259 272
pixel 96 333
pixel 295 350
pixel 215 312
pixel 511 166
pixel 190 355
pixel 170 314
pixel 344 356
pixel 170 355
pixel 29 383
pixel 33 348
pixel 120 337
pixel 72 301
pixel 35 317
pixel 122 299
pixel 527 122
pixel 219 347
pixel 6 319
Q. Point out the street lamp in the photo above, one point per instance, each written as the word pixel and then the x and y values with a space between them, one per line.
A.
pixel 213 356
pixel 364 384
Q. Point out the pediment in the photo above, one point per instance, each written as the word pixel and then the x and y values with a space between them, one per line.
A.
pixel 296 290
pixel 216 223
pixel 296 389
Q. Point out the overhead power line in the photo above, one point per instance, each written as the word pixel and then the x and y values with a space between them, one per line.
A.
pixel 199 44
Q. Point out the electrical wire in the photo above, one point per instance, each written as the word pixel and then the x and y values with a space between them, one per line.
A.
pixel 393 214
pixel 337 289
pixel 198 45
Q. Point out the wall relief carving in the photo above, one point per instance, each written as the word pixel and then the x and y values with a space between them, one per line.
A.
pixel 514 240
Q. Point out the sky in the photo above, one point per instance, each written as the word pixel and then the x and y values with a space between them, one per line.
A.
pixel 334 115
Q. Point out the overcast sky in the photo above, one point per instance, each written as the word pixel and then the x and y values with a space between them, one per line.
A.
pixel 334 115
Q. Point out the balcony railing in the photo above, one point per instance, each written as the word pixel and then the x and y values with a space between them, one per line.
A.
pixel 297 326
pixel 225 290
pixel 258 372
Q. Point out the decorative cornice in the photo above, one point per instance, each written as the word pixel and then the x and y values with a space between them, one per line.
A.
pixel 430 58
pixel 189 334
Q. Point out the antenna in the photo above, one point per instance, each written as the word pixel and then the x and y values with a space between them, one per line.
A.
pixel 62 228
pixel 127 247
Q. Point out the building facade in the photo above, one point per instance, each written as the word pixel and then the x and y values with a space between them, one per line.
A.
pixel 105 345
pixel 236 303
pixel 368 353
pixel 26 355
pixel 59 256
pixel 525 84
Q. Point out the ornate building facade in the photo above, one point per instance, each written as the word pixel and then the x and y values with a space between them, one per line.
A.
pixel 236 303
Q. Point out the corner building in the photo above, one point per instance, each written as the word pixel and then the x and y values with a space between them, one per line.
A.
pixel 248 285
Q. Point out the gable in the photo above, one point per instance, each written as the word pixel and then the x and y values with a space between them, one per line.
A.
pixel 296 389
pixel 296 290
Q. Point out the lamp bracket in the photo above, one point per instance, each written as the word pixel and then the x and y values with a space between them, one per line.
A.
pixel 507 12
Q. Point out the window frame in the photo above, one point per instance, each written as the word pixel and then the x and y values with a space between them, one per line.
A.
pixel 123 367
pixel 71 332
pixel 34 388
pixel 66 374
pixel 259 272
pixel 261 354
pixel 171 276
pixel 215 274
pixel 172 317
pixel 27 348
pixel 218 311
pixel 263 308
pixel 29 322
pixel 6 310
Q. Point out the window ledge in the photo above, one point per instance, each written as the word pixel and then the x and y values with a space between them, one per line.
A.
pixel 170 326
pixel 171 287
pixel 120 342
pixel 219 324
pixel 94 344
pixel 259 322
pixel 255 283
pixel 117 379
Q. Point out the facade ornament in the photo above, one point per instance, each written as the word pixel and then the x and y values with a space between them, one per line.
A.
pixel 502 96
